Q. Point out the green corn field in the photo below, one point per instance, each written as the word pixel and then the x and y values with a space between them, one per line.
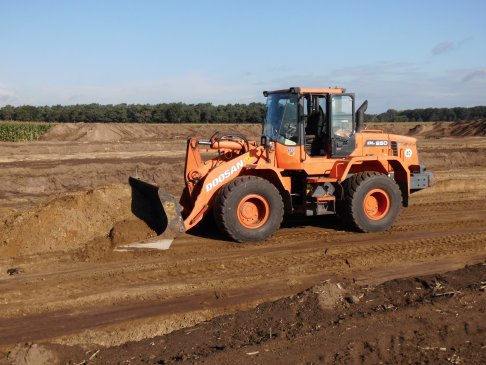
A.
pixel 22 131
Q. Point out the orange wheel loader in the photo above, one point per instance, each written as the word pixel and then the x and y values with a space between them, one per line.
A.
pixel 314 158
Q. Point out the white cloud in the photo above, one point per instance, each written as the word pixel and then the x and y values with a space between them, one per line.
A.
pixel 448 46
pixel 7 96
pixel 443 47
pixel 188 88
pixel 398 85
pixel 474 75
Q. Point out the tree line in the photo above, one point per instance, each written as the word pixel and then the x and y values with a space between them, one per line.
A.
pixel 205 113
pixel 429 115
pixel 137 113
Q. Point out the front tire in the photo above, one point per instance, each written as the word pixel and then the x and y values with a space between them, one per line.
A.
pixel 248 209
pixel 371 202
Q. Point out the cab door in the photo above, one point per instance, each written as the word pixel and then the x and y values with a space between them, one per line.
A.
pixel 342 125
pixel 316 140
pixel 287 137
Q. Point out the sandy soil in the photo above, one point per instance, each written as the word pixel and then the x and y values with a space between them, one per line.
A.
pixel 66 205
pixel 333 322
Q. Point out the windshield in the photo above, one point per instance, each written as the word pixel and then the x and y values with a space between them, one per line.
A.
pixel 281 118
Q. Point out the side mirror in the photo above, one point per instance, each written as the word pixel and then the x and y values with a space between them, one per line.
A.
pixel 263 141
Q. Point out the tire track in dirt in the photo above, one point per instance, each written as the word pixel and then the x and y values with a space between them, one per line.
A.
pixel 236 269
pixel 440 225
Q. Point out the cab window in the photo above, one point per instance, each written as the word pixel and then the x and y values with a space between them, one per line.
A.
pixel 342 116
pixel 281 120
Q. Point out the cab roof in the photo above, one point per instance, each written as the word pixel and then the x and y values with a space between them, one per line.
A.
pixel 304 90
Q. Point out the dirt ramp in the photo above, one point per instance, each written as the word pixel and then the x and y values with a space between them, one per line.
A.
pixel 72 222
pixel 474 128
pixel 118 132
pixel 415 130
pixel 98 132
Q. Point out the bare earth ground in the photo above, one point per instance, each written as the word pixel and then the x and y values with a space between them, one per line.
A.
pixel 64 293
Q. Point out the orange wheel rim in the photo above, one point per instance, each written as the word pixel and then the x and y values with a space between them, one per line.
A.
pixel 376 204
pixel 253 211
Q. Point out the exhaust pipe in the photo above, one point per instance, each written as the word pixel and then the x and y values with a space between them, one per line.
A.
pixel 360 116
pixel 160 210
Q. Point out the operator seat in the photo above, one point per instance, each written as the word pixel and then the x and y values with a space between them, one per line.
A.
pixel 315 134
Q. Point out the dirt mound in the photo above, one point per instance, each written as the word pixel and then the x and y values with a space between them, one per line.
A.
pixel 415 130
pixel 432 319
pixel 103 132
pixel 29 354
pixel 120 132
pixel 472 128
pixel 117 132
pixel 389 127
pixel 83 132
pixel 76 221
pixel 475 128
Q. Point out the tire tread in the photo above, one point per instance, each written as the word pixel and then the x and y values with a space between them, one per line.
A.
pixel 222 201
pixel 348 207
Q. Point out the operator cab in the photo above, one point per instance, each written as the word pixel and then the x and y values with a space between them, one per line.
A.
pixel 321 120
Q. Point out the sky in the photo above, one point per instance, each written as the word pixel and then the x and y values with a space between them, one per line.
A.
pixel 396 54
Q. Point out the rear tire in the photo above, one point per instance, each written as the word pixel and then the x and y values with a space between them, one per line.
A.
pixel 248 209
pixel 371 202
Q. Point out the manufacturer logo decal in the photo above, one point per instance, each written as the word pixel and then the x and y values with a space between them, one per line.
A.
pixel 291 151
pixel 408 153
pixel 222 177
pixel 376 143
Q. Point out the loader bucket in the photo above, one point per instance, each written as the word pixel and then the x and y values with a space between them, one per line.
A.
pixel 160 210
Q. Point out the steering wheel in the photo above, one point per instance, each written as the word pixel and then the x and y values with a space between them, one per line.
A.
pixel 291 131
pixel 341 138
